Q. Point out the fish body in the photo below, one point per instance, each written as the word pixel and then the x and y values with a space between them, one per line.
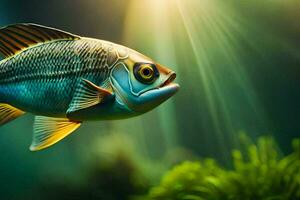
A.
pixel 65 79
pixel 41 79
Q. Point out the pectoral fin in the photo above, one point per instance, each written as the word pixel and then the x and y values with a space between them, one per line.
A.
pixel 88 94
pixel 8 113
pixel 48 131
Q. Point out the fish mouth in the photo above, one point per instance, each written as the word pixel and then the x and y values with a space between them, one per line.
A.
pixel 170 81
pixel 152 98
pixel 158 95
pixel 166 84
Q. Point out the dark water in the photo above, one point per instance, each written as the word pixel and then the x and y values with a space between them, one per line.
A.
pixel 238 65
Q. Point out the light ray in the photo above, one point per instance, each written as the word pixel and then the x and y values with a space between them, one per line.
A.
pixel 212 32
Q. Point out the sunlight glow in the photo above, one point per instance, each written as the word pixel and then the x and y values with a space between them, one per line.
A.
pixel 212 31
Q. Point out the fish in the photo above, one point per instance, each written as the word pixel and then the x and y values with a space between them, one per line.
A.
pixel 64 79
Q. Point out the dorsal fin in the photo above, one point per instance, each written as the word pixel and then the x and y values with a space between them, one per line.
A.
pixel 17 37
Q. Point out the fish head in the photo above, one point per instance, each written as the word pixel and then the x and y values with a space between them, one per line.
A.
pixel 141 84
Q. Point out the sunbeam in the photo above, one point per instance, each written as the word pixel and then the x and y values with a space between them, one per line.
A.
pixel 213 33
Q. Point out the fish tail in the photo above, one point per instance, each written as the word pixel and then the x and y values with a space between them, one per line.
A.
pixel 8 113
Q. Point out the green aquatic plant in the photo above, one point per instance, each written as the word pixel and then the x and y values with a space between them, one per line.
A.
pixel 259 172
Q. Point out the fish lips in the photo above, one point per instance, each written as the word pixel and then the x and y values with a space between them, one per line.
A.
pixel 154 97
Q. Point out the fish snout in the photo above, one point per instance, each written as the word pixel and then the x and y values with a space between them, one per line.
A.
pixel 164 70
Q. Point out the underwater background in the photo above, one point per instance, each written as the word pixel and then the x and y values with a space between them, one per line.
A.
pixel 229 133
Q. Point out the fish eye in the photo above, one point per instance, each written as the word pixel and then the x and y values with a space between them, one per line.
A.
pixel 145 73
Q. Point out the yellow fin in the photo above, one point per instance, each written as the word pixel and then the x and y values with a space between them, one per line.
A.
pixel 49 130
pixel 8 113
pixel 17 37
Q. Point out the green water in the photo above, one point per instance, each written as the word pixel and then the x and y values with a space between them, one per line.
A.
pixel 238 64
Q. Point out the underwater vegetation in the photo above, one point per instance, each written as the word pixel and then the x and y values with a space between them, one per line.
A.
pixel 116 180
pixel 259 172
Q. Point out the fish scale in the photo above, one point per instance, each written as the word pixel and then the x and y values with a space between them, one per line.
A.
pixel 44 76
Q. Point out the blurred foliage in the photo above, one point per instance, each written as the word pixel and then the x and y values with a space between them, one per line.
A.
pixel 113 171
pixel 259 172
pixel 115 180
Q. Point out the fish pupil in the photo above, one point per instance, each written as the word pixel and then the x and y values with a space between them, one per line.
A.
pixel 146 72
